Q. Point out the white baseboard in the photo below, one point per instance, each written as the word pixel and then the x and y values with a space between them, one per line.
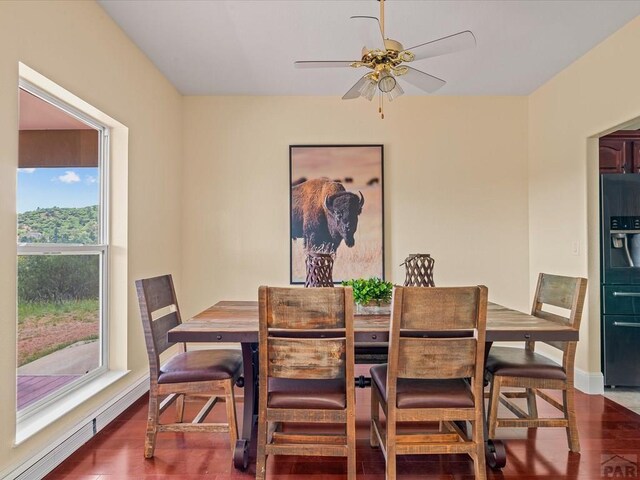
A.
pixel 40 465
pixel 589 382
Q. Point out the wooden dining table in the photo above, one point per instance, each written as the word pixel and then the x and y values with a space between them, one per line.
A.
pixel 237 322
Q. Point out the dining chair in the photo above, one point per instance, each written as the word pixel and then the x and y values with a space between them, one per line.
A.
pixel 434 374
pixel 198 373
pixel 531 371
pixel 306 373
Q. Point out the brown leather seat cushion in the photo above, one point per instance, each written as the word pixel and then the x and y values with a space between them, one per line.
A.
pixel 201 365
pixel 424 393
pixel 517 362
pixel 307 394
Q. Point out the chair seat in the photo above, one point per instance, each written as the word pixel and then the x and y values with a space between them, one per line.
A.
pixel 201 366
pixel 424 393
pixel 518 362
pixel 307 394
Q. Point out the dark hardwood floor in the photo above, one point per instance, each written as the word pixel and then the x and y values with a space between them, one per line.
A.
pixel 116 453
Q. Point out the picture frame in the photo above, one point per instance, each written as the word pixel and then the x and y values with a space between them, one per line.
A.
pixel 336 205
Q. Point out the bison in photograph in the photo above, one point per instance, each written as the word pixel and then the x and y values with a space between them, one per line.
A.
pixel 323 214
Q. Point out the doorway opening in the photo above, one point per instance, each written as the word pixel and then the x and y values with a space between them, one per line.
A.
pixel 615 230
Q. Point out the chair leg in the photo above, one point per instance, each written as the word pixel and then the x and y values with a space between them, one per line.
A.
pixel 152 425
pixel 391 463
pixel 375 417
pixel 351 446
pixel 570 414
pixel 494 400
pixel 230 403
pixel 532 406
pixel 390 437
pixel 180 408
pixel 261 456
pixel 479 463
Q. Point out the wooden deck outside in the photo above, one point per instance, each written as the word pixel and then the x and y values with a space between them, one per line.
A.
pixel 32 388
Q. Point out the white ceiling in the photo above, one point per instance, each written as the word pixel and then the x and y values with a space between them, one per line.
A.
pixel 248 47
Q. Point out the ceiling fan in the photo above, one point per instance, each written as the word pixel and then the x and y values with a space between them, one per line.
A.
pixel 385 58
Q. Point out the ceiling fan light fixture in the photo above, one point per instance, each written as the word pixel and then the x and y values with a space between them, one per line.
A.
pixel 384 58
pixel 395 93
pixel 387 82
pixel 368 89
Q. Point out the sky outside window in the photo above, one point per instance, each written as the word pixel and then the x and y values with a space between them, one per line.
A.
pixel 66 187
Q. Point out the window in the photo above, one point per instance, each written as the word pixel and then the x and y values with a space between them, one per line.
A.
pixel 62 247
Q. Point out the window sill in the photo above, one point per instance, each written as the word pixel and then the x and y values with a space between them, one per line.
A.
pixel 25 428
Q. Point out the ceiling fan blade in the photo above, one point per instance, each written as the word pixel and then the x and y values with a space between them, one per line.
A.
pixel 354 92
pixel 422 80
pixel 370 32
pixel 442 46
pixel 323 64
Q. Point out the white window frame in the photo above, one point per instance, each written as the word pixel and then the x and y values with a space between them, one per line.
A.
pixel 101 248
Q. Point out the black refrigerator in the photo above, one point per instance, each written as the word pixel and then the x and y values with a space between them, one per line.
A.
pixel 620 277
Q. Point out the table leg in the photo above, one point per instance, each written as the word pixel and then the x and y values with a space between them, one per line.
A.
pixel 494 451
pixel 250 409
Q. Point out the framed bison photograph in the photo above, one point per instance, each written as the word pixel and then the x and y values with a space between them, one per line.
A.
pixel 337 207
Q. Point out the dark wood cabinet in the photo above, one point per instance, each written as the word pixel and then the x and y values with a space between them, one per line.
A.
pixel 635 148
pixel 620 152
pixel 614 156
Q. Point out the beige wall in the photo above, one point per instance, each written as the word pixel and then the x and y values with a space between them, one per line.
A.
pixel 596 94
pixel 78 46
pixel 455 173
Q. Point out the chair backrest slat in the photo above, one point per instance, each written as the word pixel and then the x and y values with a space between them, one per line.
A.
pixel 160 328
pixel 294 308
pixel 553 317
pixel 313 358
pixel 445 308
pixel 159 292
pixel 556 290
pixel 417 357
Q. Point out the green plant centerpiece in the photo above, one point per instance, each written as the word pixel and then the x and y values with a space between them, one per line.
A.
pixel 372 296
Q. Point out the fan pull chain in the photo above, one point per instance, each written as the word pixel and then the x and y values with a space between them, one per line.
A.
pixel 380 106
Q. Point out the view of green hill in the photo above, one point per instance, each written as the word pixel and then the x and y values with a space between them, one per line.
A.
pixel 59 225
